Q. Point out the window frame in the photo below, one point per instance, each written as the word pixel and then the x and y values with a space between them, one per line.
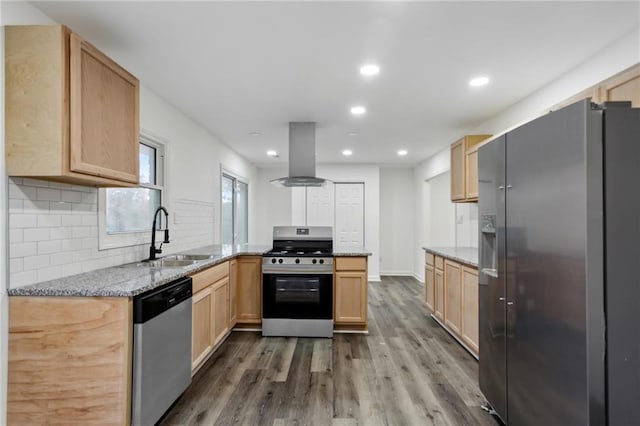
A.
pixel 108 241
pixel 236 178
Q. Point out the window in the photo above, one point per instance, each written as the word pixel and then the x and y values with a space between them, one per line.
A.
pixel 235 210
pixel 126 214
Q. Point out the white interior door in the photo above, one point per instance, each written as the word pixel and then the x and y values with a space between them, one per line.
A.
pixel 349 214
pixel 320 210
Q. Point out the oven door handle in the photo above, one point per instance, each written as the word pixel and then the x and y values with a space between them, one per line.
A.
pixel 297 271
pixel 298 290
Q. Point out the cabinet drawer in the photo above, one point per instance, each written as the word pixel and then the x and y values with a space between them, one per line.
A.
pixel 439 262
pixel 428 259
pixel 351 263
pixel 209 276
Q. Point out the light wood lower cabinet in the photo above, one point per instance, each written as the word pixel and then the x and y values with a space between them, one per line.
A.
pixel 454 287
pixel 201 326
pixel 429 281
pixel 233 291
pixel 350 292
pixel 69 360
pixel 453 296
pixel 470 319
pixel 438 292
pixel 248 282
pixel 210 312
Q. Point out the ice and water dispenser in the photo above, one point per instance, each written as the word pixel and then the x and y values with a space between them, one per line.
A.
pixel 489 251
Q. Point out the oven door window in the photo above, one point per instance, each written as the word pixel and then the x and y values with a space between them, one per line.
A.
pixel 297 290
pixel 297 296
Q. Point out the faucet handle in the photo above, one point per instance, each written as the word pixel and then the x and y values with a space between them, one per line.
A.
pixel 166 236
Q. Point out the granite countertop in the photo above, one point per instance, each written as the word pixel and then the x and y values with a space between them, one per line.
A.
pixel 466 255
pixel 130 280
pixel 347 250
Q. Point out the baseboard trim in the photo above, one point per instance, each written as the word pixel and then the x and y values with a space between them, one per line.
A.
pixel 397 273
pixel 374 278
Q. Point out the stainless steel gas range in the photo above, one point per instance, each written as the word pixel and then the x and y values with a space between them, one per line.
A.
pixel 297 293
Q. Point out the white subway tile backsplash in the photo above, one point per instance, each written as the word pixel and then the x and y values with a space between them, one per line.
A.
pixel 83 208
pixel 16 235
pixel 71 196
pixel 48 247
pixel 20 279
pixel 80 232
pixel 71 220
pixel 36 234
pixel 61 258
pixel 36 262
pixel 60 207
pixel 59 185
pixel 16 265
pixel 22 249
pixel 22 192
pixel 22 221
pixel 60 233
pixel 32 206
pixel 49 220
pixel 48 194
pixel 71 269
pixel 50 273
pixel 54 231
pixel 35 182
pixel 71 245
pixel 16 206
pixel 90 220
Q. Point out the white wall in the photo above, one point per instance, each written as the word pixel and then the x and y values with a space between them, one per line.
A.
pixel 276 205
pixel 466 225
pixel 10 14
pixel 620 55
pixel 397 210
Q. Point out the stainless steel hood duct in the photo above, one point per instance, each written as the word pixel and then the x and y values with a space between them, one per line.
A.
pixel 302 157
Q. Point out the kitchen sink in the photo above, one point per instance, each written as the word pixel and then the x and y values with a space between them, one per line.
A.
pixel 161 263
pixel 190 257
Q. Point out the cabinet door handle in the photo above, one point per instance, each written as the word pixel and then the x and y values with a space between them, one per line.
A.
pixel 502 299
pixel 509 303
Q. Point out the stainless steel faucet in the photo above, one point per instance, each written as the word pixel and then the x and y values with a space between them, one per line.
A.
pixel 153 250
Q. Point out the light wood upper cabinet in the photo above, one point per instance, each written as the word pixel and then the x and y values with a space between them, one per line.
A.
pixel 623 87
pixel 464 168
pixel 470 314
pixel 453 296
pixel 249 289
pixel 72 114
pixel 457 170
pixel 350 291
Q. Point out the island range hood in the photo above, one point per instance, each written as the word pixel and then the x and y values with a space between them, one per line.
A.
pixel 302 157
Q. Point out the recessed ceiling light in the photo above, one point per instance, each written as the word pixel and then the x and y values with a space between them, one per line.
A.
pixel 255 134
pixel 403 152
pixel 479 81
pixel 352 133
pixel 369 69
pixel 272 153
pixel 358 110
pixel 347 152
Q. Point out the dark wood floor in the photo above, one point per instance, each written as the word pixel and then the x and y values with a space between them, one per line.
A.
pixel 406 371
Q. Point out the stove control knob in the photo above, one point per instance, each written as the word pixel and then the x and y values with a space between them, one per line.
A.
pixel 280 260
pixel 297 260
pixel 273 260
pixel 314 261
pixel 321 261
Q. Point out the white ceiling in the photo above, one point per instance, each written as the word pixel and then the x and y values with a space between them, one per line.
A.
pixel 241 67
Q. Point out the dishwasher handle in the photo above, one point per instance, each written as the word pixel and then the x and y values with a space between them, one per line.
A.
pixel 149 305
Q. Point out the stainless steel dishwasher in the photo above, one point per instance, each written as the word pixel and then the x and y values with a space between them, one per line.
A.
pixel 161 350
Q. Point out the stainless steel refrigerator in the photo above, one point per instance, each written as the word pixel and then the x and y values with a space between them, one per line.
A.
pixel 559 268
